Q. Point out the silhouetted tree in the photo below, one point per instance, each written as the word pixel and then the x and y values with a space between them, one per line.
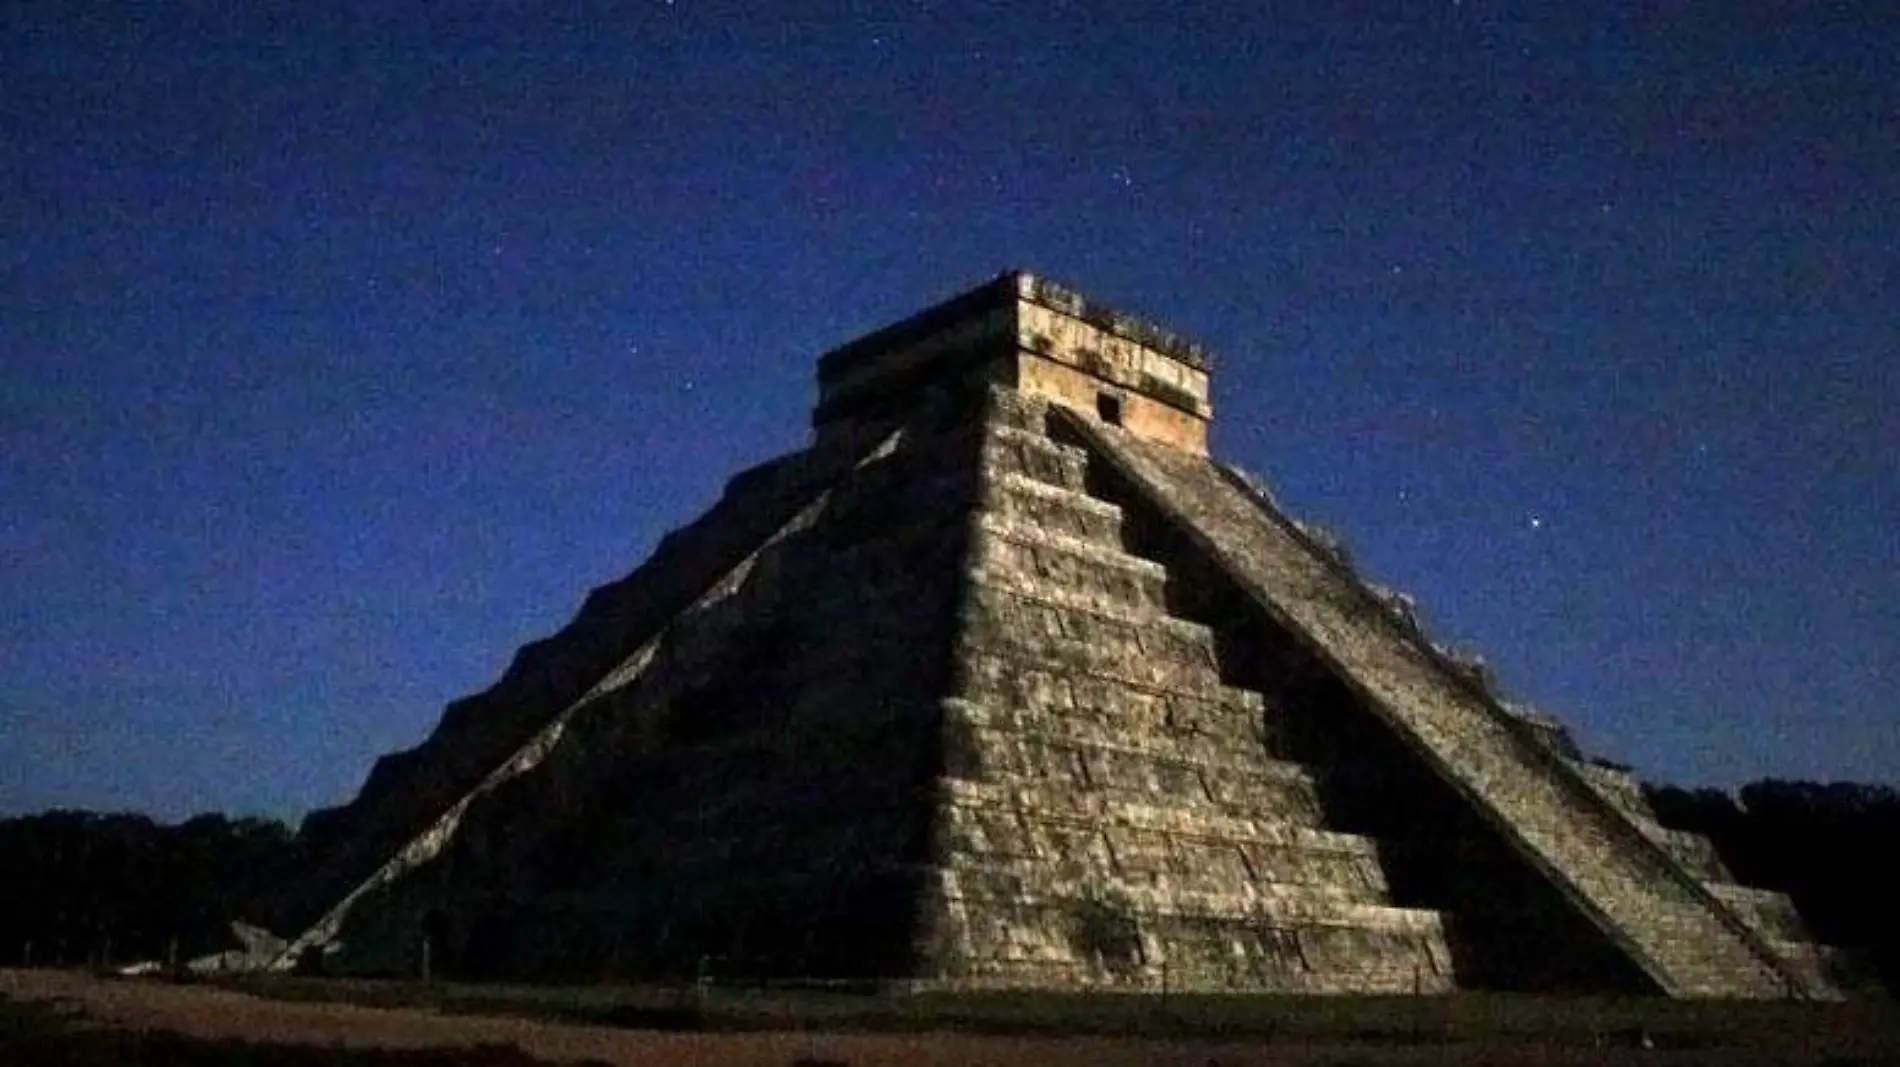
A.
pixel 1825 845
pixel 84 887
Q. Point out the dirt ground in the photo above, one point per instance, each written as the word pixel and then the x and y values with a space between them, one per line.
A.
pixel 203 1012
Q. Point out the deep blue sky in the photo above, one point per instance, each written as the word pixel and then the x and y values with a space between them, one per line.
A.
pixel 341 353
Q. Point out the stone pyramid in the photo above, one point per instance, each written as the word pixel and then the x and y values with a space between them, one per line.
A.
pixel 1003 682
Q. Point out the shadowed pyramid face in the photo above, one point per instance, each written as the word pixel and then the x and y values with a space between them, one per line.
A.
pixel 1031 335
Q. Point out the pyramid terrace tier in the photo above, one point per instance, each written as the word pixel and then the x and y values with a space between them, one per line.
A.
pixel 1059 569
pixel 1829 965
pixel 1037 624
pixel 1166 881
pixel 990 934
pixel 1007 691
pixel 1264 828
pixel 1768 911
pixel 1143 894
pixel 1240 783
pixel 1128 842
pixel 985 672
pixel 1010 449
pixel 1017 502
pixel 1225 739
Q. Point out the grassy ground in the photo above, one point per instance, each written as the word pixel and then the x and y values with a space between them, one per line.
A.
pixel 1480 1019
pixel 47 1035
pixel 324 1023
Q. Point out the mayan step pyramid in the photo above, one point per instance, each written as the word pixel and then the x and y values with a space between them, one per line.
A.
pixel 1003 682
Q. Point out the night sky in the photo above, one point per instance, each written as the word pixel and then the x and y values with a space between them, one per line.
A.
pixel 343 348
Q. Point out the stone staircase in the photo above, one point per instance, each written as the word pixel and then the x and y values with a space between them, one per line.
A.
pixel 1690 939
pixel 1769 913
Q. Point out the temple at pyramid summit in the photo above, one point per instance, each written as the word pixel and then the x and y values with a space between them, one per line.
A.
pixel 1004 682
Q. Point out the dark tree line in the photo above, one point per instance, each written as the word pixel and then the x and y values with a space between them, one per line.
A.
pixel 1830 847
pixel 78 887
pixel 86 888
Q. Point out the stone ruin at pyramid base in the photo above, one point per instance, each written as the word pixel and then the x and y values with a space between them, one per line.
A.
pixel 1003 682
